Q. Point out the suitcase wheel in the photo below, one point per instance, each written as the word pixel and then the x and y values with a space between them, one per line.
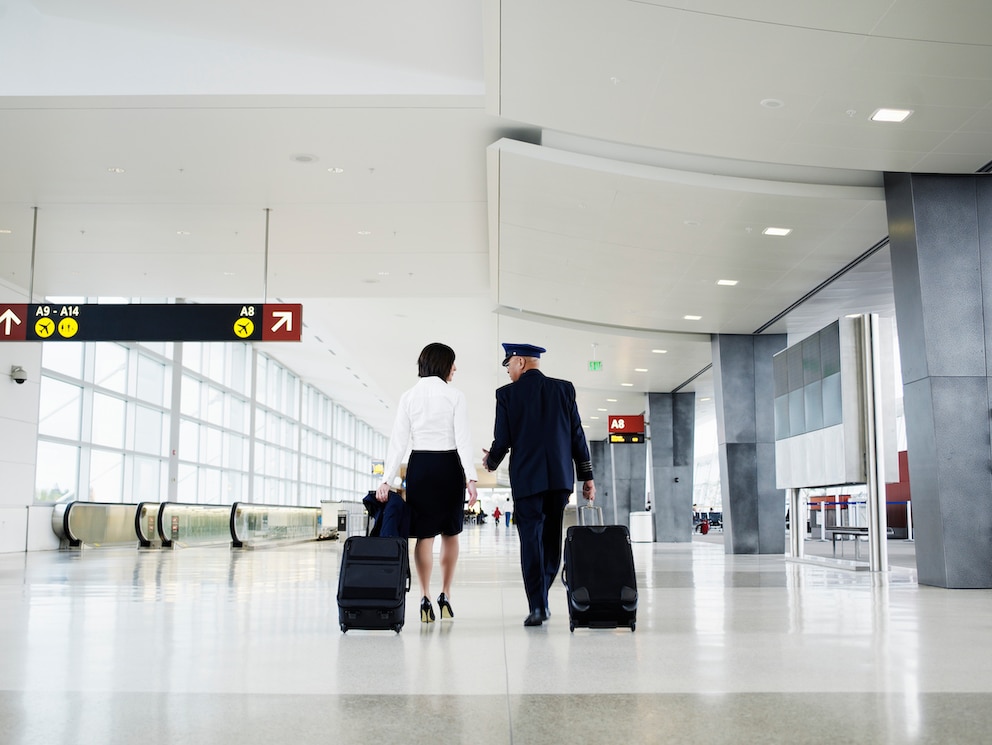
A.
pixel 571 626
pixel 344 628
pixel 633 625
pixel 398 628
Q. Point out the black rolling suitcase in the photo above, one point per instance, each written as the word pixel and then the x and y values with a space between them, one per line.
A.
pixel 599 577
pixel 373 583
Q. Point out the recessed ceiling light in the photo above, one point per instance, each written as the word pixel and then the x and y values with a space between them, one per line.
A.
pixel 365 232
pixel 335 169
pixel 891 115
pixel 705 399
pixel 693 318
pixel 772 103
pixel 777 231
pixel 594 417
pixel 5 231
pixel 727 282
pixel 383 274
pixel 611 400
pixel 115 170
pixel 602 409
pixel 182 233
pixel 640 369
pixel 660 351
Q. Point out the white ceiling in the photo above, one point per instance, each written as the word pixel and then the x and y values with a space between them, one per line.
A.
pixel 574 174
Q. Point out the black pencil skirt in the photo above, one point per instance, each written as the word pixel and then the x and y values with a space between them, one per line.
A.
pixel 435 493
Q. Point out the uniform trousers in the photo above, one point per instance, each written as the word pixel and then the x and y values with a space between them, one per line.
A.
pixel 538 518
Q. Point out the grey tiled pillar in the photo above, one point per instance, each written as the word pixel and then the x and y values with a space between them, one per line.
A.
pixel 631 462
pixel 940 232
pixel 599 450
pixel 673 431
pixel 753 509
pixel 631 480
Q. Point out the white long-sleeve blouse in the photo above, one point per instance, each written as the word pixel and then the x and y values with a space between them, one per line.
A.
pixel 433 415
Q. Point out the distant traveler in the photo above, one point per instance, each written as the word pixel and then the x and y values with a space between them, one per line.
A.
pixel 433 417
pixel 538 424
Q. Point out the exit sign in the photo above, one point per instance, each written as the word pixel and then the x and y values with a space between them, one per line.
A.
pixel 595 365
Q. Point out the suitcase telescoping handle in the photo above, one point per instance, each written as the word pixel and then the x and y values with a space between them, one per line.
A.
pixel 590 515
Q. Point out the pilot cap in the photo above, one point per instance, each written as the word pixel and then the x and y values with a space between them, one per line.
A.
pixel 521 350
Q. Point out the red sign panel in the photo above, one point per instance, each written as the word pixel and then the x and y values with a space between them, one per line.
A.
pixel 282 322
pixel 13 322
pixel 627 423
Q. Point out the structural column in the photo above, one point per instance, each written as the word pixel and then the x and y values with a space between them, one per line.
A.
pixel 940 231
pixel 753 509
pixel 622 467
pixel 672 418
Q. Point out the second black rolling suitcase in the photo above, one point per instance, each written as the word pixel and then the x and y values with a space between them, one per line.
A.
pixel 373 583
pixel 599 578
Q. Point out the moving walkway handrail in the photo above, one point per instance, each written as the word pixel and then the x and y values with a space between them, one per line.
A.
pixel 279 523
pixel 216 522
pixel 147 538
pixel 93 523
pixel 245 524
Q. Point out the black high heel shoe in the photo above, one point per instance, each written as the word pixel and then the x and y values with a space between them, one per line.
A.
pixel 444 607
pixel 426 611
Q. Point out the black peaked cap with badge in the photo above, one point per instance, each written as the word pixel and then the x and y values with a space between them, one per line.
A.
pixel 521 350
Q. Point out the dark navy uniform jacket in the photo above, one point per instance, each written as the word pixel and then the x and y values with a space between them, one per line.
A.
pixel 537 422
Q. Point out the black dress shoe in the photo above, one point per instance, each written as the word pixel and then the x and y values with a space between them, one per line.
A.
pixel 536 618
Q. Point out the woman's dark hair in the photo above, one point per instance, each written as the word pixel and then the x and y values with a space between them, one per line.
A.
pixel 436 359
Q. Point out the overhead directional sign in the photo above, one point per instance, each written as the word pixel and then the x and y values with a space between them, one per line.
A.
pixel 151 322
pixel 625 428
pixel 621 437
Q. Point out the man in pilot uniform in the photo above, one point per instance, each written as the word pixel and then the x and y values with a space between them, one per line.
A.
pixel 537 422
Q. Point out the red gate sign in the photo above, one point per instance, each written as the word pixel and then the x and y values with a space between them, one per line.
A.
pixel 282 322
pixel 13 322
pixel 627 424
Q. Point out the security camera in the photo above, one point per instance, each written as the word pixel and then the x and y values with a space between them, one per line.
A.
pixel 18 374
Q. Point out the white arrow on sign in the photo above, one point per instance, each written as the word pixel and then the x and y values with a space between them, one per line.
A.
pixel 285 319
pixel 6 318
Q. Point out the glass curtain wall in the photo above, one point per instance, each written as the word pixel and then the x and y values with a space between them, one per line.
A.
pixel 243 428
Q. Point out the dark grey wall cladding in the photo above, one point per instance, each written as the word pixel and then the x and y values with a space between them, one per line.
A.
pixel 806 384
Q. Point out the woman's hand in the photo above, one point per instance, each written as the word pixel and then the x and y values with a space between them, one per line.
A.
pixel 382 493
pixel 473 494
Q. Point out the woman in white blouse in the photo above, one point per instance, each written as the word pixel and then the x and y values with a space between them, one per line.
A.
pixel 432 417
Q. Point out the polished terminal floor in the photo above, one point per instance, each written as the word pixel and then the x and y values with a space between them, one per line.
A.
pixel 224 646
